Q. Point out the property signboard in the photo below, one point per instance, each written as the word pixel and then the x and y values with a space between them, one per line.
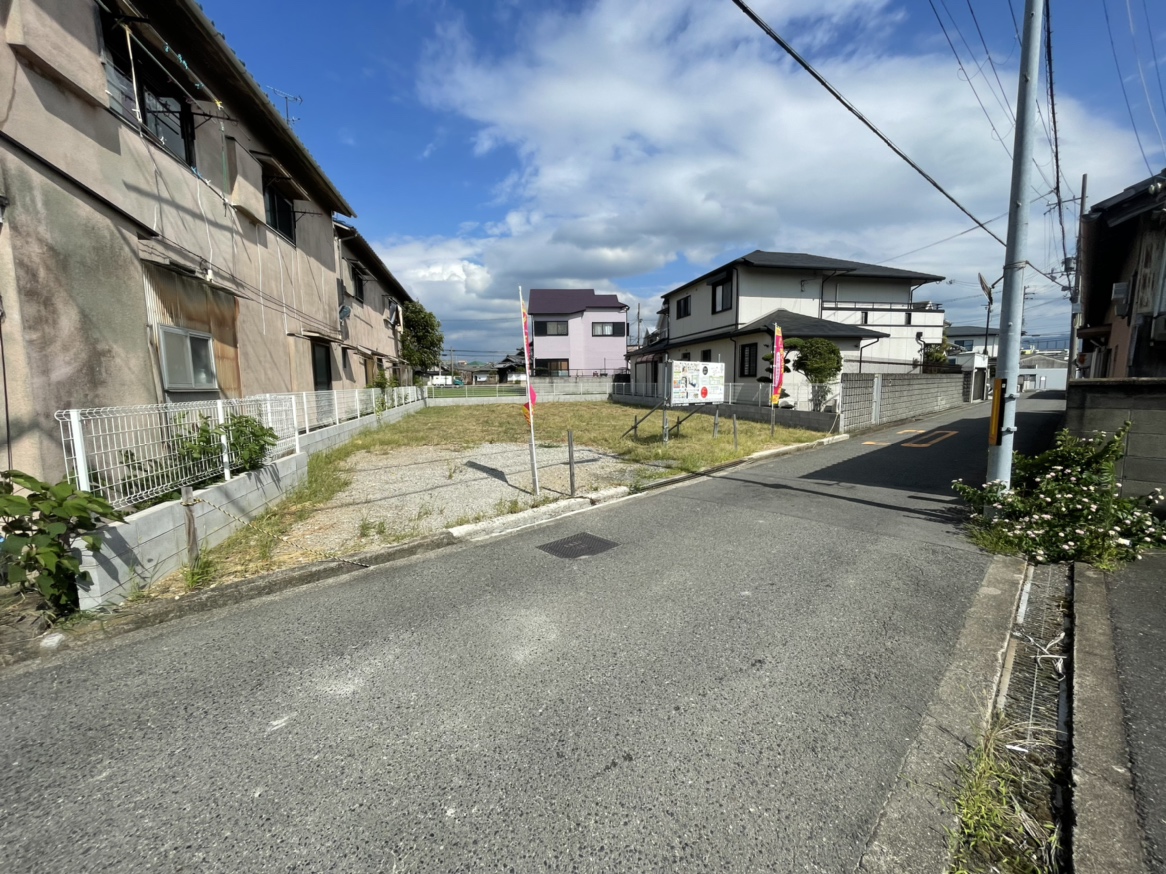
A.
pixel 695 382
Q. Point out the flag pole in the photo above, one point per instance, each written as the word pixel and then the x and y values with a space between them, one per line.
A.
pixel 530 396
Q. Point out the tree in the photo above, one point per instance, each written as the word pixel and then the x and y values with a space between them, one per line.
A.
pixel 820 362
pixel 421 338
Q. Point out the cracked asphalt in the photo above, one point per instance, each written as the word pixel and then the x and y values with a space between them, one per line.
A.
pixel 732 687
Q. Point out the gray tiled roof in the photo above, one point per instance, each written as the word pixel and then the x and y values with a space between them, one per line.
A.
pixel 562 301
pixel 801 261
pixel 797 325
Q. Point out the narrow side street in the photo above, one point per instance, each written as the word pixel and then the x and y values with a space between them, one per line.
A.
pixel 732 684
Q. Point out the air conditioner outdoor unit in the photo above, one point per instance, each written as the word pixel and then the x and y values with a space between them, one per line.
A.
pixel 1158 328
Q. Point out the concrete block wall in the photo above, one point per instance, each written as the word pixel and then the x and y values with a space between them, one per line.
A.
pixel 1104 405
pixel 152 544
pixel 881 398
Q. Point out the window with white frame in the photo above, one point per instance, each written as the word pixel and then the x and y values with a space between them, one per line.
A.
pixel 188 360
pixel 723 296
pixel 607 329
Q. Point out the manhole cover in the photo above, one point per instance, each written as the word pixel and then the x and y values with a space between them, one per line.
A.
pixel 578 546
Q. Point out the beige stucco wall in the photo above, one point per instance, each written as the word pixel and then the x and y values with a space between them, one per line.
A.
pixel 93 200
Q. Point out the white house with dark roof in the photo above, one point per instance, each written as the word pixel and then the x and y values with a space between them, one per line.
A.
pixel 577 332
pixel 867 310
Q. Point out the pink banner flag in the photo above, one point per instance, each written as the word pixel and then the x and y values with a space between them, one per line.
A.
pixel 778 365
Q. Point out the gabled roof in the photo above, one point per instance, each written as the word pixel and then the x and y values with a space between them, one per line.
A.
pixel 791 324
pixel 1139 198
pixel 817 264
pixel 231 82
pixel 369 259
pixel 797 325
pixel 564 301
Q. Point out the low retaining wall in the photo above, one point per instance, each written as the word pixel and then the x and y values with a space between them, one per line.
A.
pixel 540 398
pixel 152 544
pixel 805 419
pixel 1093 405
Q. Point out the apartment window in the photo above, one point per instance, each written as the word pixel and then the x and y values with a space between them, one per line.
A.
pixel 685 356
pixel 159 104
pixel 706 354
pixel 281 214
pixel 749 359
pixel 723 296
pixel 608 329
pixel 684 306
pixel 552 367
pixel 864 318
pixel 550 329
pixel 357 284
pixel 188 360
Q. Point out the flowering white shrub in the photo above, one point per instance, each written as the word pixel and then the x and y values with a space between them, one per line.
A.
pixel 1064 505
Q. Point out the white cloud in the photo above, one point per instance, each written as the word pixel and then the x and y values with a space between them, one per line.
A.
pixel 650 131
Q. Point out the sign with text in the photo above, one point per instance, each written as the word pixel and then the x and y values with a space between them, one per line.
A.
pixel 695 382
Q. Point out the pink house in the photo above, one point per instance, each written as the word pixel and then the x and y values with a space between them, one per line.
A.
pixel 577 332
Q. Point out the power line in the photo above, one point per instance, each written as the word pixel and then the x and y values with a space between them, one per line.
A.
pixel 1056 136
pixel 944 240
pixel 1142 74
pixel 1154 53
pixel 837 95
pixel 991 63
pixel 1121 81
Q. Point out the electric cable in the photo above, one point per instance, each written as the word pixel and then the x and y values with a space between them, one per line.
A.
pixel 837 95
pixel 1121 81
pixel 1142 75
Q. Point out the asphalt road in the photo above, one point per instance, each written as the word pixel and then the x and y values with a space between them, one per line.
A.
pixel 731 687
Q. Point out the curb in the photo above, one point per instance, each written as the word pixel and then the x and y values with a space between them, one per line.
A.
pixel 1106 837
pixel 156 612
pixel 913 827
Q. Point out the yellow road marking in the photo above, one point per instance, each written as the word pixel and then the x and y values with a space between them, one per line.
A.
pixel 936 436
pixel 909 431
pixel 874 443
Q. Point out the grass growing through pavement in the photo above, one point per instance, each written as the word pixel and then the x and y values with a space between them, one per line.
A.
pixel 599 425
pixel 1005 824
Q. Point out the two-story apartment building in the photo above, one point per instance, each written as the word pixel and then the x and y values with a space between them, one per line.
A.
pixel 577 332
pixel 728 314
pixel 165 236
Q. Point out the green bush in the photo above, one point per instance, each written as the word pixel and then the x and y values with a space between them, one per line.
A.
pixel 41 530
pixel 1065 505
pixel 249 441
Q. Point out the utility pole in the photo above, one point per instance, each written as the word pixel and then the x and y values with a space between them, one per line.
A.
pixel 639 326
pixel 1075 286
pixel 1012 298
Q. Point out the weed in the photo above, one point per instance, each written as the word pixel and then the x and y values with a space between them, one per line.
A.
pixel 365 528
pixel 423 512
pixel 200 575
pixel 505 507
pixel 77 617
pixel 1004 822
pixel 380 528
pixel 468 519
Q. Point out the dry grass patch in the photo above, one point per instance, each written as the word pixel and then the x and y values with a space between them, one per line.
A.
pixel 257 548
pixel 600 425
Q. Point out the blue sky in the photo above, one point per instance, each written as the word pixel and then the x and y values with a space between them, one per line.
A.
pixel 629 145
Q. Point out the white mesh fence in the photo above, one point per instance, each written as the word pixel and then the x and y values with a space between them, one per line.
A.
pixel 132 455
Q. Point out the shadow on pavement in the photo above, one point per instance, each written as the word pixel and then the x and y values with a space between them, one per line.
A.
pixel 927 462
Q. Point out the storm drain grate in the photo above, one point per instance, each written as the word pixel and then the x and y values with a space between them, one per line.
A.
pixel 578 546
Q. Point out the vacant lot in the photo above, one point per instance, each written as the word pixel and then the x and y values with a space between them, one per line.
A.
pixel 451 465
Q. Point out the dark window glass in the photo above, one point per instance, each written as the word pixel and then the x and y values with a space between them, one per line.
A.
pixel 684 306
pixel 281 215
pixel 550 329
pixel 722 297
pixel 706 354
pixel 749 359
pixel 357 284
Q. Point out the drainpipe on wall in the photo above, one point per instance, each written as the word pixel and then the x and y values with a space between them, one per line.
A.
pixel 861 348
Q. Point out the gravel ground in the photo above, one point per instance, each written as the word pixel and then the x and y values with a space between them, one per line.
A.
pixel 405 493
